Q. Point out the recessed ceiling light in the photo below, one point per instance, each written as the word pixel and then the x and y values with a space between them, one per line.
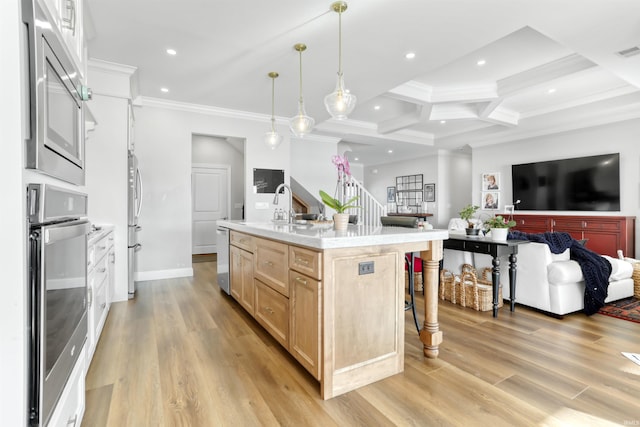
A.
pixel 171 51
pixel 481 62
pixel 356 159
pixel 410 55
pixel 389 151
pixel 443 122
pixel 552 90
pixel 164 90
pixel 376 107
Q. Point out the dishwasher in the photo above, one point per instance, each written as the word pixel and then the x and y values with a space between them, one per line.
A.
pixel 222 244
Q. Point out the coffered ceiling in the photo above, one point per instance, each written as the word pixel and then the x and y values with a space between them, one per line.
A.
pixel 548 66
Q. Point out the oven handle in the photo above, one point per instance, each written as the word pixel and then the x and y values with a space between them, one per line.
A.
pixel 66 230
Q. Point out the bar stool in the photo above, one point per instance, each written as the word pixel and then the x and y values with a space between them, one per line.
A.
pixel 409 260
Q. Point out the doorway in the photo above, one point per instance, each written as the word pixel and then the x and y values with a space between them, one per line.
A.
pixel 217 189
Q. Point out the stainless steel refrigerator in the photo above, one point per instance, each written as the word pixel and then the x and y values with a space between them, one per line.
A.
pixel 134 206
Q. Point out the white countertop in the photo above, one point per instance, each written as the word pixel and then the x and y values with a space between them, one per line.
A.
pixel 95 235
pixel 323 236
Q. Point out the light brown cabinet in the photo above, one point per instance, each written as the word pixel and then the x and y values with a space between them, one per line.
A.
pixel 279 285
pixel 271 265
pixel 272 312
pixel 304 342
pixel 604 234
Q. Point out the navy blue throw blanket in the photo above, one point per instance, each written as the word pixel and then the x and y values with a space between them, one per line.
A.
pixel 595 269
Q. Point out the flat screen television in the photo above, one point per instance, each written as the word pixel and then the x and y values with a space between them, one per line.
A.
pixel 579 184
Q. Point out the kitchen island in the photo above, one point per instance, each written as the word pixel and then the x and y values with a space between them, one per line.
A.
pixel 335 299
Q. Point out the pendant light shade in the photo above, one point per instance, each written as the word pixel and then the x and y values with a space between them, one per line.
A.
pixel 340 103
pixel 272 138
pixel 301 124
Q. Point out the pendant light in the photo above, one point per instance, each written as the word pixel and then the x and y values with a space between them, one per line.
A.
pixel 301 124
pixel 340 102
pixel 272 139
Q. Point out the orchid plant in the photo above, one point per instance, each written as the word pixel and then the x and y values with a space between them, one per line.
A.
pixel 344 174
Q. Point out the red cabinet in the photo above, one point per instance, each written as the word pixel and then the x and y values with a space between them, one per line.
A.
pixel 605 234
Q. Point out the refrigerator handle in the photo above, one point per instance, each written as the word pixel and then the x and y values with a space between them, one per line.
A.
pixel 139 185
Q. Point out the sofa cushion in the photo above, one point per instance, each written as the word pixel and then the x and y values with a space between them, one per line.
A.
pixel 619 269
pixel 569 271
pixel 564 272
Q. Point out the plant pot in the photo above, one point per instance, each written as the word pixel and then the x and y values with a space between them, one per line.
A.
pixel 499 233
pixel 340 221
pixel 472 231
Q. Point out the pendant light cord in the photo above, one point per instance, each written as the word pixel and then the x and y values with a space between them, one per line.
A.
pixel 300 52
pixel 340 42
pixel 273 103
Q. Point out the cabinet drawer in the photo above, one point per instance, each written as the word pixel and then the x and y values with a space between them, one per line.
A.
pixel 567 224
pixel 98 274
pixel 241 240
pixel 271 265
pixel 272 312
pixel 96 252
pixel 477 247
pixel 305 261
pixel 70 407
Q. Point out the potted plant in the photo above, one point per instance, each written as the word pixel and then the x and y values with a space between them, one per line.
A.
pixel 340 218
pixel 467 213
pixel 499 227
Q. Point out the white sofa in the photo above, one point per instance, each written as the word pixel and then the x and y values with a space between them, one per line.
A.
pixel 549 282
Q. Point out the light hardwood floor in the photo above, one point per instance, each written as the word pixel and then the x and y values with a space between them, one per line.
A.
pixel 185 354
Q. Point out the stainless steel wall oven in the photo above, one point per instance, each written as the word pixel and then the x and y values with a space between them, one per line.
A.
pixel 58 230
pixel 55 131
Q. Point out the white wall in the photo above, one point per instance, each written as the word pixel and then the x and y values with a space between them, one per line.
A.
pixel 107 169
pixel 164 136
pixel 13 304
pixel 311 165
pixel 613 138
pixel 216 150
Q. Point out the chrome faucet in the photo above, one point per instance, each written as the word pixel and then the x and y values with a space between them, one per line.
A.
pixel 292 214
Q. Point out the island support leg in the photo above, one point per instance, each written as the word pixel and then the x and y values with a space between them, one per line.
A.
pixel 430 335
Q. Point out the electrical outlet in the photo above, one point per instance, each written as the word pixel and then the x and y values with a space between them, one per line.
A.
pixel 365 268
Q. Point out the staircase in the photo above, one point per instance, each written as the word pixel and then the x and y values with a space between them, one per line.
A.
pixel 370 209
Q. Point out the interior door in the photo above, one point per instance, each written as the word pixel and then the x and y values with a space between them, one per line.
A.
pixel 210 197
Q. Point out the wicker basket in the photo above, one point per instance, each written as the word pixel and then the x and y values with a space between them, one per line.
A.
pixel 636 280
pixel 478 291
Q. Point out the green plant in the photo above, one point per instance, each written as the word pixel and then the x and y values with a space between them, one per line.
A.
pixel 467 213
pixel 499 221
pixel 335 204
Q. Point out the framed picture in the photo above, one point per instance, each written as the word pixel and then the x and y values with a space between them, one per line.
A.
pixel 490 200
pixel 391 194
pixel 491 181
pixel 429 192
pixel 509 209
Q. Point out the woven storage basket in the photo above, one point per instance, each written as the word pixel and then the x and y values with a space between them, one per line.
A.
pixel 478 291
pixel 636 280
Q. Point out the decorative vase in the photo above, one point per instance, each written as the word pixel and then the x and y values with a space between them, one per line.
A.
pixel 340 221
pixel 472 231
pixel 499 233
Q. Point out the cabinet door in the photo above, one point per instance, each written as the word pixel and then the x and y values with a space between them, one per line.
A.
pixel 235 271
pixel 603 242
pixel 304 338
pixel 247 288
pixel 532 224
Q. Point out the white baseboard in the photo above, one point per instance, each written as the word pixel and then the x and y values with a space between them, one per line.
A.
pixel 163 274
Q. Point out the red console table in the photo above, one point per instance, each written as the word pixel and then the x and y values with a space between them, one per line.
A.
pixel 605 234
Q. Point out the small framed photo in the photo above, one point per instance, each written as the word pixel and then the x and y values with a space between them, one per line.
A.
pixel 429 192
pixel 391 194
pixel 490 200
pixel 509 209
pixel 491 181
